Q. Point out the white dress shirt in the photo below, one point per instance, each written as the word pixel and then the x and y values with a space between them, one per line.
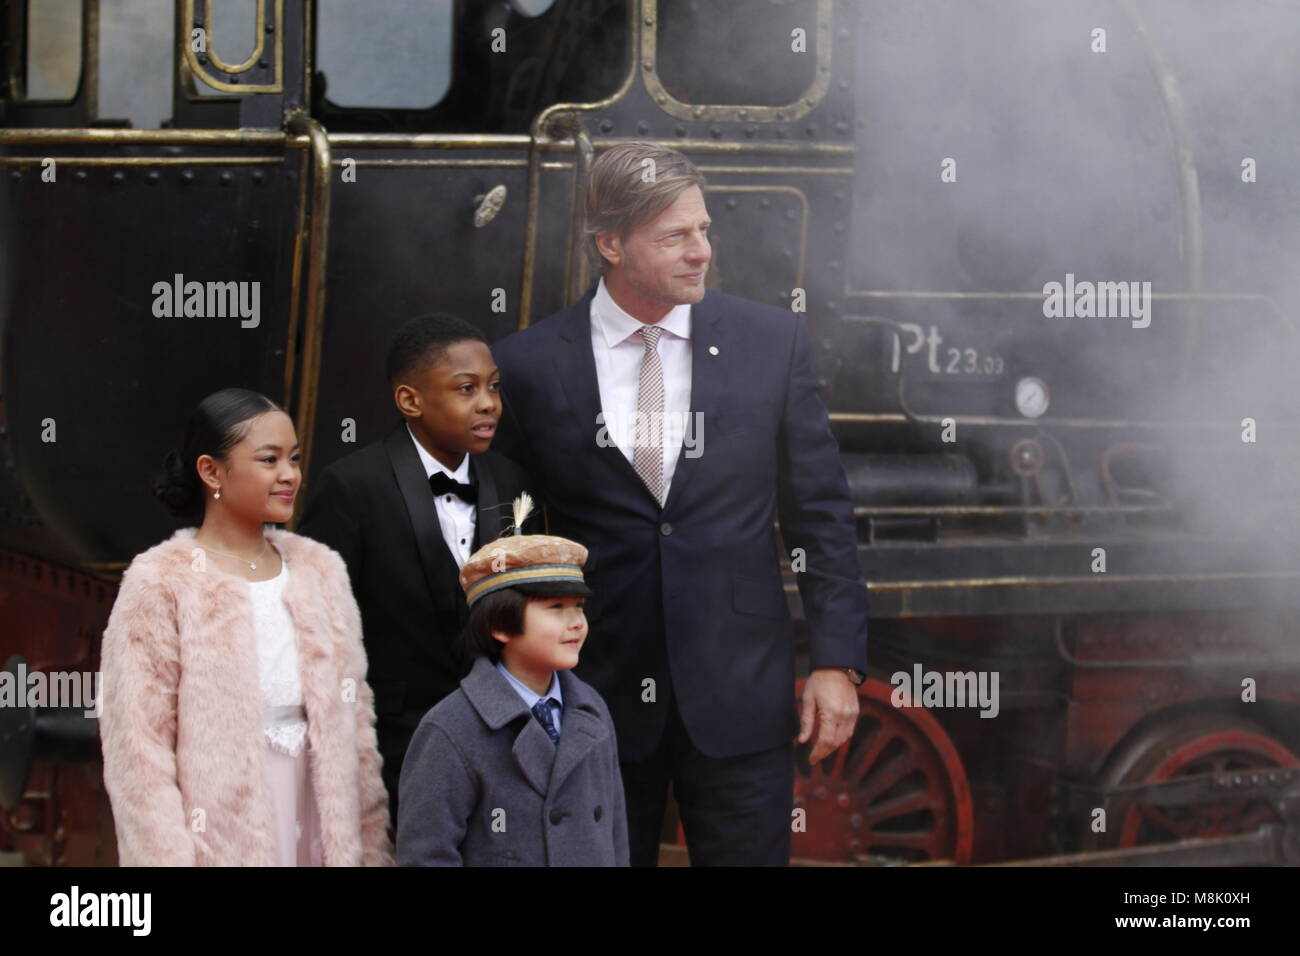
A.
pixel 618 350
pixel 456 517
pixel 530 698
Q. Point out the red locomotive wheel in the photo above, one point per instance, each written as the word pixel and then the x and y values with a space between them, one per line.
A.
pixel 897 789
pixel 1194 745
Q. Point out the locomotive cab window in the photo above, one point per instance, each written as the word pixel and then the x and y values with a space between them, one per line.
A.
pixel 771 56
pixel 384 54
pixel 53 67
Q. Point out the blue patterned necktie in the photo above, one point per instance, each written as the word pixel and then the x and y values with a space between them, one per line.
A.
pixel 542 711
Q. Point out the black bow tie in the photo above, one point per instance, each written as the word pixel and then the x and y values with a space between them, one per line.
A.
pixel 443 484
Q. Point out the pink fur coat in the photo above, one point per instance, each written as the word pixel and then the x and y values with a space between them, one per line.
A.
pixel 181 722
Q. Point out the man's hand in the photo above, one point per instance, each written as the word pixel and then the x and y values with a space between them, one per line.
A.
pixel 830 701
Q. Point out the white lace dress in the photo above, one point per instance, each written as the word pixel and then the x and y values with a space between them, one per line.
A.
pixel 284 724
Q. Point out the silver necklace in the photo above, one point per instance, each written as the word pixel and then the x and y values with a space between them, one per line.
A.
pixel 251 564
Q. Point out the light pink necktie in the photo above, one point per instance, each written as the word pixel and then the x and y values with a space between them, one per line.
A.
pixel 648 452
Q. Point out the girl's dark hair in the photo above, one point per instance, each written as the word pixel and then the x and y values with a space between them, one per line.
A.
pixel 218 424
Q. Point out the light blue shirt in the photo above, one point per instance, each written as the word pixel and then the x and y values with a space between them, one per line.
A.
pixel 530 699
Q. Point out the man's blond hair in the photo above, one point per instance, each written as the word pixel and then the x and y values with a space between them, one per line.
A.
pixel 631 184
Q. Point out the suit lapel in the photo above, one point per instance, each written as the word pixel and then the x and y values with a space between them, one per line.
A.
pixel 533 750
pixel 581 729
pixel 488 513
pixel 498 704
pixel 435 558
pixel 576 368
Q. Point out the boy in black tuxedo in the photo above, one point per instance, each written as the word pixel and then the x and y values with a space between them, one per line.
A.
pixel 407 511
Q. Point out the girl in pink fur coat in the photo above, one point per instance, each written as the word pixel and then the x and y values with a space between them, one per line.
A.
pixel 237 725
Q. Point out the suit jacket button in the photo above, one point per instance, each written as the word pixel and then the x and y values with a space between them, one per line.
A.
pixel 665 528
pixel 598 814
pixel 557 816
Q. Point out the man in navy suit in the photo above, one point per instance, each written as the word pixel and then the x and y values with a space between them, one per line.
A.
pixel 667 428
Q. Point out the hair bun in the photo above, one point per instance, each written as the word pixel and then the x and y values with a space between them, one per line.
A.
pixel 174 488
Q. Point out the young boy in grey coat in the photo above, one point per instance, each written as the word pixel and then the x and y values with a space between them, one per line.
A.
pixel 519 766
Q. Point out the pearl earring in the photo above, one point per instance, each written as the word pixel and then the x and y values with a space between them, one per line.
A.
pixel 217 493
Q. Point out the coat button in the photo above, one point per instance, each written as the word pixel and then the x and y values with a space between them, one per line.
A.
pixel 665 528
pixel 598 814
pixel 557 816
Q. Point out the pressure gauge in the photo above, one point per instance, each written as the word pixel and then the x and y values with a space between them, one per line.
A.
pixel 1032 397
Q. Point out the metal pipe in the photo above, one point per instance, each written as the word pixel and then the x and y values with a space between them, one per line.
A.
pixel 317 251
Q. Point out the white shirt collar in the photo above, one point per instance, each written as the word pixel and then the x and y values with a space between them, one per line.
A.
pixel 615 325
pixel 432 464
pixel 526 692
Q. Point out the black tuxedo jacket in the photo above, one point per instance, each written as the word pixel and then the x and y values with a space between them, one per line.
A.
pixel 689 598
pixel 374 507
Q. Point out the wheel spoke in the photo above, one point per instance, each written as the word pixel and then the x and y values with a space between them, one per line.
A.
pixel 863 764
pixel 886 777
pixel 900 806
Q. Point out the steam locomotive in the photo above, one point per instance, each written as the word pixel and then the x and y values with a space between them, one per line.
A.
pixel 1045 256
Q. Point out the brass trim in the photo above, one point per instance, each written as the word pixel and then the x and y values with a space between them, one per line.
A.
pixel 257 137
pixel 541 133
pixel 467 163
pixel 171 137
pixel 1066 581
pixel 800 108
pixel 258 47
pixel 399 141
pixel 190 68
pixel 301 241
pixel 1022 581
pixel 430 140
pixel 781 170
pixel 696 146
pixel 144 160
pixel 939 510
pixel 803 221
pixel 316 252
pixel 530 237
pixel 879 418
pixel 577 272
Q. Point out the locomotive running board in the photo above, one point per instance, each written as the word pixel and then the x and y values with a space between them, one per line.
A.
pixel 1267 846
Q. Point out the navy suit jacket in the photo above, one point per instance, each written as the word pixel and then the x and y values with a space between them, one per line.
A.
pixel 689 599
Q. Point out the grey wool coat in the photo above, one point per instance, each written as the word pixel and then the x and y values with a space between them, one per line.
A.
pixel 483 785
